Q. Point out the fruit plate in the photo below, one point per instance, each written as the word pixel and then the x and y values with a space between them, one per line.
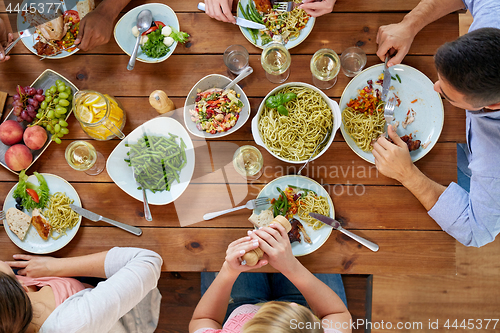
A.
pixel 44 81
pixel 33 243
pixel 123 29
pixel 319 236
pixel 121 173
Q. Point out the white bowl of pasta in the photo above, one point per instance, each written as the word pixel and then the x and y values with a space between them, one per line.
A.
pixel 292 138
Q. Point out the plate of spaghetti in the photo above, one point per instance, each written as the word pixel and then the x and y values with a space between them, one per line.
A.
pixel 419 112
pixel 64 222
pixel 304 196
pixel 293 26
pixel 293 137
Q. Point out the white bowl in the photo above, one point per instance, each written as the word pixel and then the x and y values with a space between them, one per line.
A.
pixel 331 103
pixel 208 82
pixel 123 29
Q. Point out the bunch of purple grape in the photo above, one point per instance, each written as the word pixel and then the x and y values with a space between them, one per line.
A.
pixel 26 103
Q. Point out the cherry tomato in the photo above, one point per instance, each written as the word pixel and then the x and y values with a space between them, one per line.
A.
pixel 32 193
pixel 75 18
pixel 154 28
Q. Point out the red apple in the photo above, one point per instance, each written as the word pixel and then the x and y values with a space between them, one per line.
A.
pixel 35 137
pixel 18 157
pixel 11 132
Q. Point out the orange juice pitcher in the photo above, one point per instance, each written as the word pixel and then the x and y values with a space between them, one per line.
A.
pixel 100 115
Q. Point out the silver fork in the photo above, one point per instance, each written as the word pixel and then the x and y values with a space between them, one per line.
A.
pixel 281 6
pixel 389 113
pixel 22 34
pixel 251 204
pixel 2 215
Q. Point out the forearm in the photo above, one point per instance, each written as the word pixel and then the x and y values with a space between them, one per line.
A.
pixel 428 11
pixel 424 189
pixel 213 304
pixel 321 298
pixel 112 7
pixel 89 265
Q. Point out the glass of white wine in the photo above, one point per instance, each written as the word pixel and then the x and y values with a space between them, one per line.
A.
pixel 248 162
pixel 325 66
pixel 82 156
pixel 276 60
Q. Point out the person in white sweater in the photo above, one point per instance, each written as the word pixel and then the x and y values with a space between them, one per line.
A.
pixel 42 299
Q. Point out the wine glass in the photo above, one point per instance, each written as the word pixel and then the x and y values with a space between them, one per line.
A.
pixel 82 156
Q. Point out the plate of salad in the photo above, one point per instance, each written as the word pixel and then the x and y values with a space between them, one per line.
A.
pixel 210 112
pixel 293 26
pixel 39 187
pixel 159 42
pixel 303 196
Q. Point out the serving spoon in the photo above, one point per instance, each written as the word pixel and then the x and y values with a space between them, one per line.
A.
pixel 244 73
pixel 144 20
pixel 325 139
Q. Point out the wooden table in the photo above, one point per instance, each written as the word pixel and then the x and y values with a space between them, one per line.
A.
pixel 385 212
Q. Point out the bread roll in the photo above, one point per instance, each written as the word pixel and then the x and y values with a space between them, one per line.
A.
pixel 251 258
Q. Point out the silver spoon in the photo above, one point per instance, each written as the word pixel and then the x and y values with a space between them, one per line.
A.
pixel 327 136
pixel 144 20
pixel 246 71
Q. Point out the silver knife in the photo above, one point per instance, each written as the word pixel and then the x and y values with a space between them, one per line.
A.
pixel 336 225
pixel 96 217
pixel 386 84
pixel 240 21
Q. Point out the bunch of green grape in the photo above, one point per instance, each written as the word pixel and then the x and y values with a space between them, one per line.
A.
pixel 53 110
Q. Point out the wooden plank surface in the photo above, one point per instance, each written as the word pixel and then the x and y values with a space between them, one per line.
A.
pixel 337 31
pixel 188 249
pixel 340 6
pixel 393 207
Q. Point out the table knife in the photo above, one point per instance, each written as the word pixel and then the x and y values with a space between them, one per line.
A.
pixel 96 217
pixel 336 225
pixel 386 84
pixel 240 21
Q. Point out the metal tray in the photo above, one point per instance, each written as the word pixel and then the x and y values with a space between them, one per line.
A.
pixel 44 81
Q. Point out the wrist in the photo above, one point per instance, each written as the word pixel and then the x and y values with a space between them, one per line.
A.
pixel 110 9
pixel 411 177
pixel 228 272
pixel 293 267
pixel 412 23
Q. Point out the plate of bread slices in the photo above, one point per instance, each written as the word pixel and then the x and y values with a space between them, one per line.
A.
pixel 45 229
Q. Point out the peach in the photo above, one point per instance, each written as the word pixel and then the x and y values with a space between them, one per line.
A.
pixel 18 157
pixel 11 132
pixel 35 137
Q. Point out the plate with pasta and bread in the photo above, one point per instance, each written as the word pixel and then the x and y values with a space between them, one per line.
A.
pixel 43 228
pixel 294 197
pixel 419 112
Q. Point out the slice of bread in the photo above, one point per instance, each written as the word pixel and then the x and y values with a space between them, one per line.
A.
pixel 263 219
pixel 18 222
pixel 266 217
pixel 84 7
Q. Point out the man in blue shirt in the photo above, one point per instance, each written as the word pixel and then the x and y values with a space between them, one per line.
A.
pixel 469 77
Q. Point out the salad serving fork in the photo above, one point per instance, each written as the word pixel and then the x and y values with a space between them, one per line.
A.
pixel 251 204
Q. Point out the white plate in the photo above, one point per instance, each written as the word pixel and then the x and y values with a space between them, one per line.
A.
pixel 208 82
pixel 331 103
pixel 122 175
pixel 33 242
pixel 414 85
pixel 29 42
pixel 290 44
pixel 123 29
pixel 318 237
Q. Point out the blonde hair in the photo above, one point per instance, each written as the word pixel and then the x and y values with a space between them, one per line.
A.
pixel 282 317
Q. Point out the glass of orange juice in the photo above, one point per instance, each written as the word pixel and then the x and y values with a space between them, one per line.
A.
pixel 100 115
